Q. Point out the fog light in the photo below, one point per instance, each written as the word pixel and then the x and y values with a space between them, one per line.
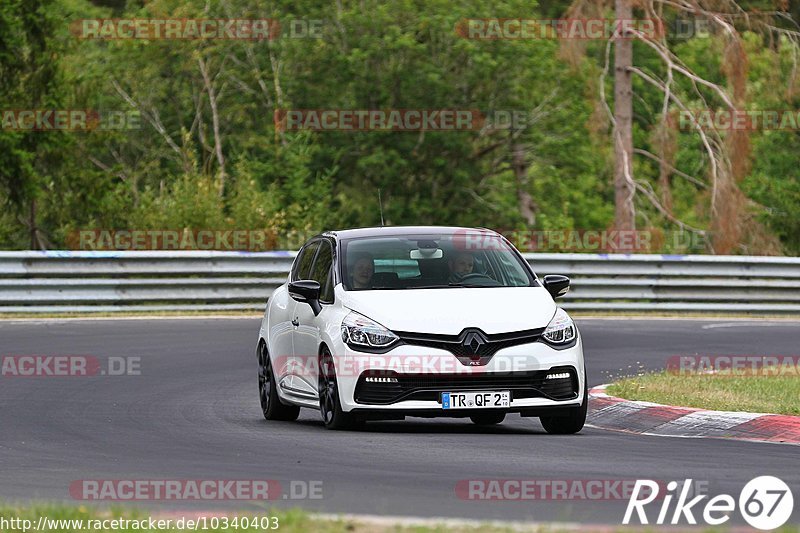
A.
pixel 380 380
pixel 562 375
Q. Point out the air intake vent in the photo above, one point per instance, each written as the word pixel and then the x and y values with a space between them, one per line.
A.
pixel 376 388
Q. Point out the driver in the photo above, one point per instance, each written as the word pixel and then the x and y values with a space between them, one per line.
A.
pixel 363 270
pixel 460 265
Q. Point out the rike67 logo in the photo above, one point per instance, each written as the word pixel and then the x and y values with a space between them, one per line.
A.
pixel 765 503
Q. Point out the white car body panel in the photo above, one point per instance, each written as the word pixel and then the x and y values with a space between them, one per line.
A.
pixel 449 311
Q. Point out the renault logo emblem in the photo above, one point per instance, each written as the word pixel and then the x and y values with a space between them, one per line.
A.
pixel 473 342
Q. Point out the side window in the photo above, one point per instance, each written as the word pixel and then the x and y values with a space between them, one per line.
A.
pixel 326 294
pixel 302 265
pixel 322 272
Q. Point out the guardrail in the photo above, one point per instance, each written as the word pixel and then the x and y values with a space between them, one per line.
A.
pixel 56 282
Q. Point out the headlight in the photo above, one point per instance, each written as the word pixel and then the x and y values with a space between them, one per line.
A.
pixel 561 329
pixel 358 330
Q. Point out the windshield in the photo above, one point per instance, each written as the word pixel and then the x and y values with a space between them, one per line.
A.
pixel 431 262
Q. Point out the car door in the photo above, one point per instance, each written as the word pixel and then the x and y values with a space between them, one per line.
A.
pixel 282 320
pixel 307 332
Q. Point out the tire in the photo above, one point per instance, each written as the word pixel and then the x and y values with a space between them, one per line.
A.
pixel 488 419
pixel 330 407
pixel 573 421
pixel 271 405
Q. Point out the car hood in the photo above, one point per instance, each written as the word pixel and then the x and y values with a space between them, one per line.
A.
pixel 449 311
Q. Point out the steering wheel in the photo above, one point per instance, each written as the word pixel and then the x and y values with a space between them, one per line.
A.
pixel 474 275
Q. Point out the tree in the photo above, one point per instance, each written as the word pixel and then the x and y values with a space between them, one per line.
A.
pixel 30 54
pixel 624 187
pixel 727 153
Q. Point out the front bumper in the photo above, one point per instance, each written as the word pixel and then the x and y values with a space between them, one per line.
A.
pixel 412 378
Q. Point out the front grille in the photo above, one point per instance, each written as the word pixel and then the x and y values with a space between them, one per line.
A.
pixel 472 343
pixel 430 386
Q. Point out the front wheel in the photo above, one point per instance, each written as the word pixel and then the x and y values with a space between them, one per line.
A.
pixel 573 420
pixel 329 405
pixel 271 405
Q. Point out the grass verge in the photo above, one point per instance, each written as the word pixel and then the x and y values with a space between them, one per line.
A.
pixel 719 392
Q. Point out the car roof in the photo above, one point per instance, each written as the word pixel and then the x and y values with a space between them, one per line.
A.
pixel 391 231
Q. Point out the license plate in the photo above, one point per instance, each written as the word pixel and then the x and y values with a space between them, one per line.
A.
pixel 476 400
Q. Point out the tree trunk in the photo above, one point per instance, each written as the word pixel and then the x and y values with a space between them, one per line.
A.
pixel 624 213
pixel 527 207
pixel 212 102
pixel 32 224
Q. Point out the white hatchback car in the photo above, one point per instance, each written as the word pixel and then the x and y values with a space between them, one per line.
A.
pixel 383 323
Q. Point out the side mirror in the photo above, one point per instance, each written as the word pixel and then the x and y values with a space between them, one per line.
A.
pixel 556 285
pixel 306 291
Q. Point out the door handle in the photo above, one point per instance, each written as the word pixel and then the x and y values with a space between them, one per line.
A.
pixel 295 322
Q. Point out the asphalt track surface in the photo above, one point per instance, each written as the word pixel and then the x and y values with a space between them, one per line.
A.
pixel 193 413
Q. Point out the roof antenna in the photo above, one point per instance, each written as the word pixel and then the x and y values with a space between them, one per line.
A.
pixel 380 205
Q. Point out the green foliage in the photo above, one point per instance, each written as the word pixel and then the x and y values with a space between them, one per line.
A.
pixel 30 49
pixel 371 55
